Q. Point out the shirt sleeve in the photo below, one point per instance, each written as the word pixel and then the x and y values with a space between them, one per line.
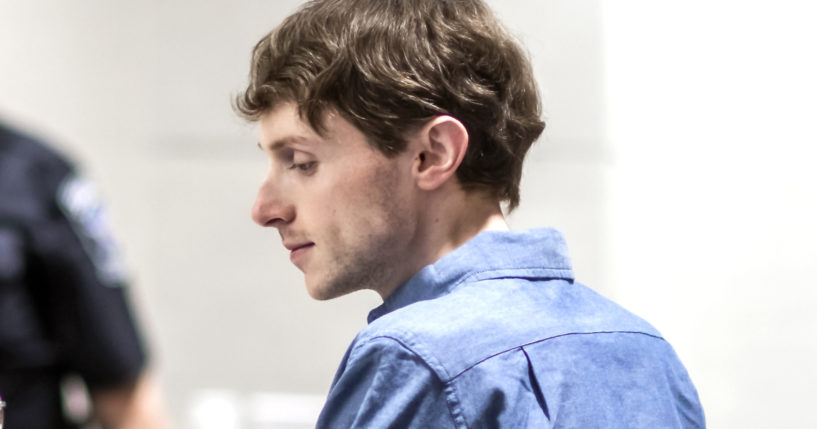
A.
pixel 384 385
pixel 81 290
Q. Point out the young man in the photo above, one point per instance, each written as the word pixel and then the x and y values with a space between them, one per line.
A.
pixel 395 129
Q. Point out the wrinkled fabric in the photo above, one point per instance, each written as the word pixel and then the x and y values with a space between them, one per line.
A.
pixel 497 334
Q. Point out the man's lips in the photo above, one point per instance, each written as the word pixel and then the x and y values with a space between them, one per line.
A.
pixel 297 250
pixel 295 246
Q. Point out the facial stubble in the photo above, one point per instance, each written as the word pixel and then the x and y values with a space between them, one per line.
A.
pixel 371 250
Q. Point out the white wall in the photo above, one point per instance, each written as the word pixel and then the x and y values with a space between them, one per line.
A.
pixel 711 113
pixel 675 160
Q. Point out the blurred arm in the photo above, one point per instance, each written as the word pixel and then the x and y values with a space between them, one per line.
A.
pixel 135 405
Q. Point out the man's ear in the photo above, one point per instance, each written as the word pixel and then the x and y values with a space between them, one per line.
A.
pixel 441 149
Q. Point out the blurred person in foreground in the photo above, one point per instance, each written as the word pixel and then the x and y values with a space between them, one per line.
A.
pixel 63 307
pixel 395 130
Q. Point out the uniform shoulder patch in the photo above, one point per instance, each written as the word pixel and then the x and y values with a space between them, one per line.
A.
pixel 80 203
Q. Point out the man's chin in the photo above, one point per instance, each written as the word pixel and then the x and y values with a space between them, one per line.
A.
pixel 322 291
pixel 319 295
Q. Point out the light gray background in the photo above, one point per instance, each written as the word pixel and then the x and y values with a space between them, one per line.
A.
pixel 677 160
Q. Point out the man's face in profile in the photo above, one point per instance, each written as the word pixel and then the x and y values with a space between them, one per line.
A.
pixel 342 208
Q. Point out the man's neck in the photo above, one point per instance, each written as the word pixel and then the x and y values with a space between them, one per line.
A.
pixel 470 222
pixel 449 223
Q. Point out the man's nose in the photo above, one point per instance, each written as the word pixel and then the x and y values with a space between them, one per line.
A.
pixel 270 209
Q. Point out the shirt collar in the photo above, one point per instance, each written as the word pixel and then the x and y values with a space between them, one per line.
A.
pixel 535 253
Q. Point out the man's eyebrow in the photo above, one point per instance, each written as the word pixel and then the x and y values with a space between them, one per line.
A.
pixel 278 144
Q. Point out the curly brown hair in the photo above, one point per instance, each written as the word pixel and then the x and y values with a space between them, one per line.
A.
pixel 388 66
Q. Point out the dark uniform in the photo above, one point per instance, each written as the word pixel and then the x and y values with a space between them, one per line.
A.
pixel 63 307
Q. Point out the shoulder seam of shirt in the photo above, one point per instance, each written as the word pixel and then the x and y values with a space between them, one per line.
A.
pixel 546 339
pixel 438 370
pixel 452 414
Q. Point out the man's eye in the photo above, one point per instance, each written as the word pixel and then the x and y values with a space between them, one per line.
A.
pixel 304 166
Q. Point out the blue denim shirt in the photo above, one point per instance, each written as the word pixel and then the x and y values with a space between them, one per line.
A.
pixel 497 334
